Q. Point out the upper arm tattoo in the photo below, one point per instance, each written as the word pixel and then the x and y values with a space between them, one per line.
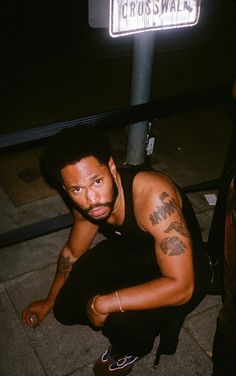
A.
pixel 172 246
pixel 164 210
pixel 64 266
pixel 179 227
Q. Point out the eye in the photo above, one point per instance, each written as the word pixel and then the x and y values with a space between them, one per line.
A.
pixel 98 181
pixel 77 190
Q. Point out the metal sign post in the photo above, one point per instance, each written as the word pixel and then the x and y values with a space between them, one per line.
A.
pixel 143 52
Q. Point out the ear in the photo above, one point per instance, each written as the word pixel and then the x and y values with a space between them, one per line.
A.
pixel 112 167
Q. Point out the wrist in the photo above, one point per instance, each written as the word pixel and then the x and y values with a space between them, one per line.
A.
pixel 105 304
pixel 50 301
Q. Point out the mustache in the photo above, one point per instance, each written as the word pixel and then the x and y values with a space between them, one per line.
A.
pixel 99 205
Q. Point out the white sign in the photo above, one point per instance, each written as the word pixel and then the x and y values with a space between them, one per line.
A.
pixel 135 16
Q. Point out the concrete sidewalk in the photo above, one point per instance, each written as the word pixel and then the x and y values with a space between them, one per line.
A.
pixel 191 148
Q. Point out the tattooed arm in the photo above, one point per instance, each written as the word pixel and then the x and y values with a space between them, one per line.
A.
pixel 157 206
pixel 79 241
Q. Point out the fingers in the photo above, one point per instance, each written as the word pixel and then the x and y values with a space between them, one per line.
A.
pixel 25 314
pixel 34 320
pixel 30 318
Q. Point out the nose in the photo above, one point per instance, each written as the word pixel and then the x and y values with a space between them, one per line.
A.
pixel 93 197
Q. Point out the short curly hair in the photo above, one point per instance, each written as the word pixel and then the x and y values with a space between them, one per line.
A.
pixel 70 146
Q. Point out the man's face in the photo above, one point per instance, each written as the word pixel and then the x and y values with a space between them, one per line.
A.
pixel 91 187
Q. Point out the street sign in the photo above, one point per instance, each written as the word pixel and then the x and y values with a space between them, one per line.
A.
pixel 135 16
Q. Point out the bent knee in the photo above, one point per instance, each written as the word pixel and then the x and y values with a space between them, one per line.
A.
pixel 70 315
pixel 60 315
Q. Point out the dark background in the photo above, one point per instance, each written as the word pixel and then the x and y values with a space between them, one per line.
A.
pixel 55 67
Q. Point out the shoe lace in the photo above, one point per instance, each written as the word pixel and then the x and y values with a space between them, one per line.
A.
pixel 122 362
pixel 116 359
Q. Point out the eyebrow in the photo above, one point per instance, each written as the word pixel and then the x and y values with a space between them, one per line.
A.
pixel 95 177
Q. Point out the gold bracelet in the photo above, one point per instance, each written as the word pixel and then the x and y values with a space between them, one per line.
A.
pixel 118 300
pixel 92 305
pixel 93 308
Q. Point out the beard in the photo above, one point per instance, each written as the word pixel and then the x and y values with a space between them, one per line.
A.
pixel 109 204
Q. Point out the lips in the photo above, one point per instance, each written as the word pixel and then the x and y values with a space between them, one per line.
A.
pixel 98 211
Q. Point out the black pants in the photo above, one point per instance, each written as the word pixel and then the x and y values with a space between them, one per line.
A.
pixel 102 270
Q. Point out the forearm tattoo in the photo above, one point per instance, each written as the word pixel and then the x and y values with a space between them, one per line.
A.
pixel 179 227
pixel 172 246
pixel 163 211
pixel 64 266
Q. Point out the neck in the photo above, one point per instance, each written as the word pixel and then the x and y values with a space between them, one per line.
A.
pixel 117 204
pixel 117 214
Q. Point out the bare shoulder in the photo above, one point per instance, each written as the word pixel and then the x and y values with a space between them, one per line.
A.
pixel 148 183
pixel 155 195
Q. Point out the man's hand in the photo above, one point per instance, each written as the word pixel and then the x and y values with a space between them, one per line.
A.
pixel 97 318
pixel 35 313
